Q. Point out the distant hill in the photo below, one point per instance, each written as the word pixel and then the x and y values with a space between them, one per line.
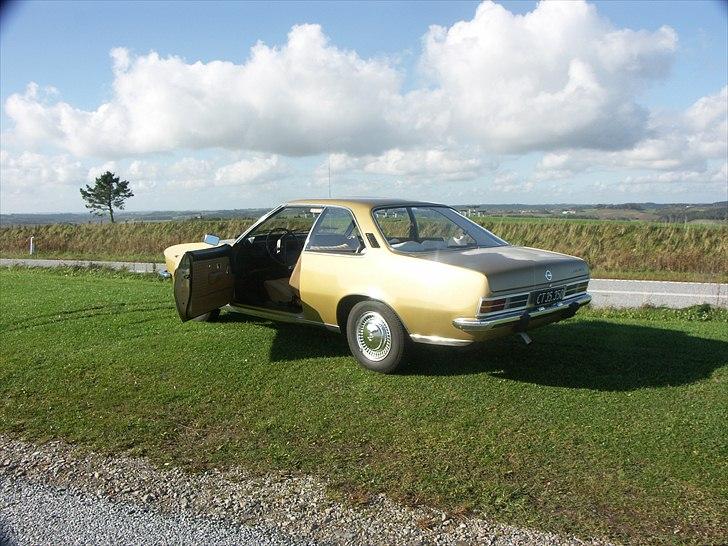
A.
pixel 656 212
pixel 127 216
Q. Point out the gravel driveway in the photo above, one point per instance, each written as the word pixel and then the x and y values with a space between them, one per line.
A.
pixel 35 513
pixel 55 494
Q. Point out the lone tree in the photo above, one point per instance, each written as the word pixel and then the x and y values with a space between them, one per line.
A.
pixel 107 194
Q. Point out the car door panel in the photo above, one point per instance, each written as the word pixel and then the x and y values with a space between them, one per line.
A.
pixel 204 281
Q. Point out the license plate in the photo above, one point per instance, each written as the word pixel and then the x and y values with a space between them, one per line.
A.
pixel 547 297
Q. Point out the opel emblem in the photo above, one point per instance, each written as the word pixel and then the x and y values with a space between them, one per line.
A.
pixel 548 275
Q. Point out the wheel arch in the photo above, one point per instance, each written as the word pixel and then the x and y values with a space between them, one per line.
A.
pixel 347 303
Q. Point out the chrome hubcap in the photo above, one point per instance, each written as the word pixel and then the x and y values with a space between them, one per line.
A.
pixel 373 336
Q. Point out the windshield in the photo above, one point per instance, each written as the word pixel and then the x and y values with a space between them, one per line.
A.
pixel 431 228
pixel 295 219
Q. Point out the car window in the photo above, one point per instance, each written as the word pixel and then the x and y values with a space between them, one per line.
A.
pixel 296 219
pixel 395 223
pixel 436 228
pixel 423 229
pixel 336 232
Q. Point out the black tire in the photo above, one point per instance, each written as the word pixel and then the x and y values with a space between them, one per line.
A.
pixel 376 323
pixel 212 316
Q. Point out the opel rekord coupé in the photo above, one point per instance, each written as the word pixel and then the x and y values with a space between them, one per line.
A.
pixel 385 272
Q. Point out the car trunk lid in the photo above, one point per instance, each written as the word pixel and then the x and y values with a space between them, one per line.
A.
pixel 513 268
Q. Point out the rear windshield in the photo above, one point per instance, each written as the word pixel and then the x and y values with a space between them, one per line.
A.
pixel 431 228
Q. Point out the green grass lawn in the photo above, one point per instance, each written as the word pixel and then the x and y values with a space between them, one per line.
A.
pixel 611 424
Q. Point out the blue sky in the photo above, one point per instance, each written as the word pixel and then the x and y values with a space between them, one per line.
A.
pixel 410 108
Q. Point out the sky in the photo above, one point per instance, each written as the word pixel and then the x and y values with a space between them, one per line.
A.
pixel 204 105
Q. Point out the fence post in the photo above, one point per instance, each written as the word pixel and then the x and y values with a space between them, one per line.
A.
pixel 32 246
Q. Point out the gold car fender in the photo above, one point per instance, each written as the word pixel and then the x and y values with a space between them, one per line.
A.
pixel 425 294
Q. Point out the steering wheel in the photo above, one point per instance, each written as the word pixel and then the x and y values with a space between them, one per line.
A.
pixel 280 256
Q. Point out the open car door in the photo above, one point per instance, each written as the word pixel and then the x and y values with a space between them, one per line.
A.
pixel 204 281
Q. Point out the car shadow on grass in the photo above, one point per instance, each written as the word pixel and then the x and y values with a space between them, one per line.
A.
pixel 296 341
pixel 592 354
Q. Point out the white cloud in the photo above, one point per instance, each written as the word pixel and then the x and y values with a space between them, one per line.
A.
pixel 681 143
pixel 559 76
pixel 249 171
pixel 421 165
pixel 97 170
pixel 717 176
pixel 297 99
pixel 191 172
pixel 706 122
pixel 510 182
pixel 560 80
pixel 194 173
pixel 28 170
pixel 143 176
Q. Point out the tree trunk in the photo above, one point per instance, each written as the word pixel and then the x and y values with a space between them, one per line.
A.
pixel 111 214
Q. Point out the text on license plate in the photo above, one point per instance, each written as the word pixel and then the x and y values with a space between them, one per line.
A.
pixel 547 297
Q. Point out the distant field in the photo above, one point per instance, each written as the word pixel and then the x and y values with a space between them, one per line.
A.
pixel 610 424
pixel 656 212
pixel 646 250
pixel 629 249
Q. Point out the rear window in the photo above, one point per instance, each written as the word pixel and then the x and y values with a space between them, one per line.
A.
pixel 428 229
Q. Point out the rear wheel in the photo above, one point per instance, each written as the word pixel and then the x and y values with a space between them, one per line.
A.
pixel 376 336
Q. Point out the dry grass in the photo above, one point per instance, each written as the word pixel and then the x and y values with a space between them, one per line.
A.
pixel 634 249
pixel 627 246
pixel 140 241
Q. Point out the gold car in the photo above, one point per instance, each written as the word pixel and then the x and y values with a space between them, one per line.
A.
pixel 384 271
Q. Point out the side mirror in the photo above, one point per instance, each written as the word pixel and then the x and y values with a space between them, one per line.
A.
pixel 212 240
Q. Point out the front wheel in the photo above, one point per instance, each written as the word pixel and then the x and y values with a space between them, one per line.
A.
pixel 376 336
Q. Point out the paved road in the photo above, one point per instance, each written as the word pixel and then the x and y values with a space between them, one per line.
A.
pixel 606 292
pixel 625 293
pixel 35 513
pixel 135 267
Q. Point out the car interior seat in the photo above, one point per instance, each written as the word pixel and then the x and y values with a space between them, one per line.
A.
pixel 285 289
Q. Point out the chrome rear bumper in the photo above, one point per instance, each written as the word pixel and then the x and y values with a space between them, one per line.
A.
pixel 567 305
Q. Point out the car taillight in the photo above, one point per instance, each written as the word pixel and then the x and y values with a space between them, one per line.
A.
pixel 488 306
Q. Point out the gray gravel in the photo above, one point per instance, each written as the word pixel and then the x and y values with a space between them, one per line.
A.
pixel 55 494
pixel 34 513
